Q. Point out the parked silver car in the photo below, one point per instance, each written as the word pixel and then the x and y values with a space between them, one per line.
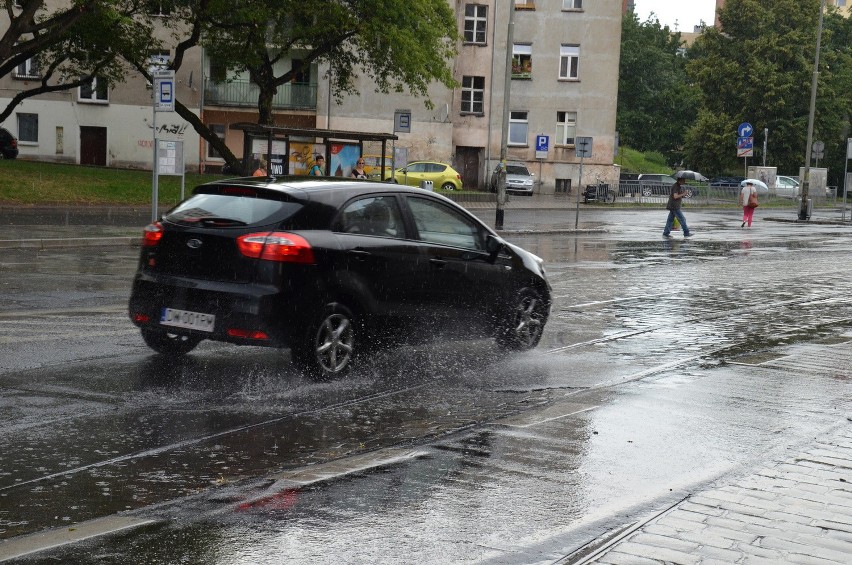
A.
pixel 519 179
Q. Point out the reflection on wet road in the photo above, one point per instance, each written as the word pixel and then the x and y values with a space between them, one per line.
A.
pixel 665 364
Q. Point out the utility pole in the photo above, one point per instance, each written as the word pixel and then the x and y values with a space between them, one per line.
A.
pixel 803 210
pixel 507 87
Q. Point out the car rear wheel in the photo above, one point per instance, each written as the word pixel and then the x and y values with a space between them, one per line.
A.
pixel 329 347
pixel 169 343
pixel 524 326
pixel 448 186
pixel 647 191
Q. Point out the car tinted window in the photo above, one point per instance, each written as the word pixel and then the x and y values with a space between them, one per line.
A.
pixel 517 170
pixel 435 168
pixel 226 207
pixel 375 215
pixel 417 168
pixel 438 223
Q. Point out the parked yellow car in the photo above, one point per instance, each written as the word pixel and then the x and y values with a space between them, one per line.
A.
pixel 442 175
pixel 373 167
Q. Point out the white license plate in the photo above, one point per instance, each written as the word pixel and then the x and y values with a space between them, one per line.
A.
pixel 185 319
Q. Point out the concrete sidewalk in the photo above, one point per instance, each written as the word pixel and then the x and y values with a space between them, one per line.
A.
pixel 794 510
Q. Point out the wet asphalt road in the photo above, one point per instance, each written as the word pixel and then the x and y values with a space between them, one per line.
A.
pixel 666 365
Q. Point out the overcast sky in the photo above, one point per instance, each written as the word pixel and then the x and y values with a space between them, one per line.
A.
pixel 687 13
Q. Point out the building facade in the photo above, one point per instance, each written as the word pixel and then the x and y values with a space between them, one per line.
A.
pixel 560 82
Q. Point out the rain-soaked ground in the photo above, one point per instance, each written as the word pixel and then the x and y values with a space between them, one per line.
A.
pixel 666 364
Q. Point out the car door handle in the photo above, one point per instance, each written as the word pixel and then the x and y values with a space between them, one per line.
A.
pixel 438 263
pixel 359 254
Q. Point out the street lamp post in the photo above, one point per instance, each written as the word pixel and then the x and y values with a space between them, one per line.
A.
pixel 803 210
pixel 507 86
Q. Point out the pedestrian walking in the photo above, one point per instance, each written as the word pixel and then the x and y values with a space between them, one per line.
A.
pixel 748 200
pixel 316 170
pixel 676 196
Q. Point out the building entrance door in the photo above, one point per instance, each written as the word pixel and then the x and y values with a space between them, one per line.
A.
pixel 93 146
pixel 467 159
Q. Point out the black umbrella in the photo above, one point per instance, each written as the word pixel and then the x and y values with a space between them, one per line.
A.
pixel 690 175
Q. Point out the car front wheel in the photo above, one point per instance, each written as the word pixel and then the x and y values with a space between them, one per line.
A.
pixel 525 324
pixel 169 343
pixel 329 347
pixel 646 192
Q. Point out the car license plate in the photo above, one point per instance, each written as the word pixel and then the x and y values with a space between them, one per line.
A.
pixel 185 319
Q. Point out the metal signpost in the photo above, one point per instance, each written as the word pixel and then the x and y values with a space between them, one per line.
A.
pixel 401 124
pixel 542 145
pixel 745 143
pixel 583 149
pixel 164 101
pixel 818 151
pixel 846 175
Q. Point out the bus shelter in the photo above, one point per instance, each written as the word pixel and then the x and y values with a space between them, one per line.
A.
pixel 293 151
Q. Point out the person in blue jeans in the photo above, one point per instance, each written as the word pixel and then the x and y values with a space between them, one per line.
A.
pixel 675 199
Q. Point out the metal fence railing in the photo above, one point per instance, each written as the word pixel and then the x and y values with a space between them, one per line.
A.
pixel 702 194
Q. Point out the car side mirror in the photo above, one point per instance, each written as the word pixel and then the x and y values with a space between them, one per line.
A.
pixel 493 245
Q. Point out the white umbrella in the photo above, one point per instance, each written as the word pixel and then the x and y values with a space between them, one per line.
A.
pixel 759 184
pixel 690 175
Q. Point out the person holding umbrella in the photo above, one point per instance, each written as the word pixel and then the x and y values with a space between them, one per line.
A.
pixel 678 192
pixel 748 200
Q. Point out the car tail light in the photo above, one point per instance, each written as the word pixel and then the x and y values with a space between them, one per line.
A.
pixel 276 246
pixel 152 235
pixel 141 318
pixel 14 143
pixel 239 191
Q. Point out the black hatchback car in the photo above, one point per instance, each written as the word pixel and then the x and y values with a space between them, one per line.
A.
pixel 331 269
pixel 8 144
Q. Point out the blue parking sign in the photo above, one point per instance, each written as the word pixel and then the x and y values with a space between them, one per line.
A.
pixel 542 142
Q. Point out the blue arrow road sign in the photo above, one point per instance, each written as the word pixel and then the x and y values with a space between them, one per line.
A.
pixel 744 130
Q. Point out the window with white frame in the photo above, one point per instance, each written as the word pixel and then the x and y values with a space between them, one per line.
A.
pixel 95 90
pixel 569 62
pixel 27 69
pixel 472 95
pixel 475 23
pixel 572 4
pixel 566 128
pixel 27 128
pixel 219 131
pixel 518 128
pixel 522 60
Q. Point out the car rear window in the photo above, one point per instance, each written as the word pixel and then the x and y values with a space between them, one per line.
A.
pixel 234 208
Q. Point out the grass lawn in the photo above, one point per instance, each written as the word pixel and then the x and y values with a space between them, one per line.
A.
pixel 33 182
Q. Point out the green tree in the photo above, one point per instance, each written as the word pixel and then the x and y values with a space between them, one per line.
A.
pixel 71 43
pixel 400 44
pixel 758 68
pixel 656 103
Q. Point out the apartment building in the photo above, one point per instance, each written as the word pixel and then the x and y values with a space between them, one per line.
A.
pixel 562 84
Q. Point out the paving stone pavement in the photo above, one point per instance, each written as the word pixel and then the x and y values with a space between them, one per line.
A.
pixel 795 510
